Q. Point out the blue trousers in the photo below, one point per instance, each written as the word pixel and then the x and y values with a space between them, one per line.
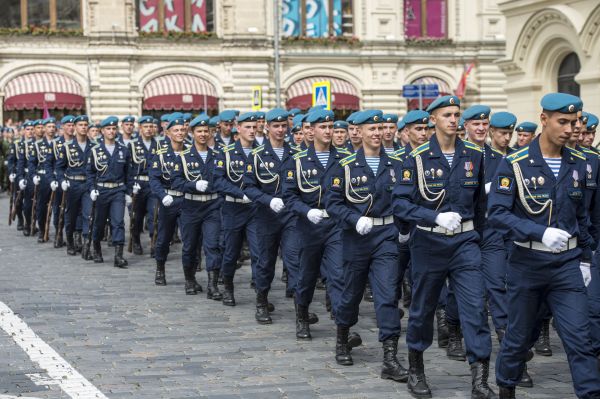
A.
pixel 200 227
pixel 435 258
pixel 28 201
pixel 534 278
pixel 110 205
pixel 167 223
pixel 373 257
pixel 56 207
pixel 493 267
pixel 43 198
pixel 593 293
pixel 321 245
pixel 404 265
pixel 78 203
pixel 238 219
pixel 145 203
pixel 280 231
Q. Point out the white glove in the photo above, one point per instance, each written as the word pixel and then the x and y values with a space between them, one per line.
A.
pixel 12 177
pixel 555 239
pixel 54 185
pixel 167 201
pixel 488 186
pixel 201 185
pixel 36 180
pixel 94 195
pixel 128 199
pixel 586 273
pixel 136 188
pixel 315 215
pixel 65 185
pixel 364 225
pixel 402 238
pixel 277 205
pixel 448 220
pixel 245 199
pixel 22 184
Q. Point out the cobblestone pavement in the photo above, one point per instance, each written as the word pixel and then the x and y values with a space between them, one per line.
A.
pixel 131 339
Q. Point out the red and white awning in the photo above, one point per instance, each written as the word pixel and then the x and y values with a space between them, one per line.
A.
pixel 343 94
pixel 43 89
pixel 180 92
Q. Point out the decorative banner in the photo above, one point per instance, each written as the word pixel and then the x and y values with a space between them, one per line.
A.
pixel 337 17
pixel 174 15
pixel 291 18
pixel 321 94
pixel 436 18
pixel 256 98
pixel 198 13
pixel 412 18
pixel 317 20
pixel 149 15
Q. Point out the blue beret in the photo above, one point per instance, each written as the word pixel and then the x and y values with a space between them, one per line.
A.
pixel 165 117
pixel 156 122
pixel 200 120
pixel 461 124
pixel 390 118
pixel 67 119
pixel 444 101
pixel 213 122
pixel 38 122
pixel 178 115
pixel 145 119
pixel 350 117
pixel 247 117
pixel 528 127
pixel 340 125
pixel 234 130
pixel 128 118
pixel 28 124
pixel 187 117
pixel 319 115
pixel 503 120
pixel 297 121
pixel 368 117
pixel 476 113
pixel 294 111
pixel 561 102
pixel 49 120
pixel 416 116
pixel 176 119
pixel 592 122
pixel 96 125
pixel 110 121
pixel 277 115
pixel 260 115
pixel 315 108
pixel 81 118
pixel 227 116
pixel 237 112
pixel 401 124
pixel 430 125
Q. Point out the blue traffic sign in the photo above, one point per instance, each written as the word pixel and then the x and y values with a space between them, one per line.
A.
pixel 423 91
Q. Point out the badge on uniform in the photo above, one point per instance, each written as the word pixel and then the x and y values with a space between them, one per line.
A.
pixel 249 168
pixel 575 178
pixel 589 171
pixel 219 164
pixel 336 182
pixel 290 175
pixel 505 184
pixel 469 169
pixel 407 176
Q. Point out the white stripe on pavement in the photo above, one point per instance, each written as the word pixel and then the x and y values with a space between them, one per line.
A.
pixel 71 382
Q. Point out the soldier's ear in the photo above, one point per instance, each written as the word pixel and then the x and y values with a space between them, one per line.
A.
pixel 544 119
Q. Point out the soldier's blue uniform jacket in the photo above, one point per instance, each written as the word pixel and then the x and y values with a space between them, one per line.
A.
pixel 230 167
pixel 40 159
pixel 492 159
pixel 72 160
pixel 163 165
pixel 193 168
pixel 141 156
pixel 102 167
pixel 23 152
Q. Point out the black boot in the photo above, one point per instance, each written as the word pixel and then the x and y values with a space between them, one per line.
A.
pixel 480 372
pixel 417 382
pixel 302 325
pixel 320 284
pixel 526 380
pixel 406 293
pixel 190 287
pixel 354 340
pixel 59 242
pixel 212 290
pixel 78 241
pixel 542 346
pixel 86 252
pixel 228 298
pixel 500 334
pixel 197 285
pixel 40 239
pixel 368 295
pixel 27 230
pixel 455 349
pixel 327 301
pixel 342 352
pixel 442 327
pixel 71 245
pixel 98 252
pixel 119 260
pixel 392 369
pixel 284 275
pixel 507 392
pixel 262 312
pixel 159 277
pixel 20 223
pixel 137 245
pixel 312 318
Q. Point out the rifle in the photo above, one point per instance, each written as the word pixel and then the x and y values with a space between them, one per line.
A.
pixel 13 215
pixel 48 216
pixel 33 229
pixel 131 224
pixel 61 216
pixel 92 219
pixel 12 202
pixel 155 232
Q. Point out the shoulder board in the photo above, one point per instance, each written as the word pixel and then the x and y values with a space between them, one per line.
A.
pixel 519 155
pixel 215 152
pixel 395 158
pixel 348 159
pixel 69 142
pixel 161 150
pixel 422 148
pixel 295 148
pixel 472 146
pixel 300 154
pixel 577 154
pixel 258 149
pixel 589 152
pixel 229 147
pixel 343 151
pixel 496 151
pixel 186 151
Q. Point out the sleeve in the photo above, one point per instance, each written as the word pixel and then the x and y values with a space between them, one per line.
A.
pixel 291 193
pixel 90 171
pixel 60 164
pixel 21 164
pixel 501 200
pixel 155 174
pixel 252 186
pixel 178 180
pixel 128 175
pixel 334 199
pixel 223 184
pixel 479 217
pixel 32 162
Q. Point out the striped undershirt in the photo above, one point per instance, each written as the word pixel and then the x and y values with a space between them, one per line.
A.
pixel 373 163
pixel 279 152
pixel 323 157
pixel 247 150
pixel 554 165
pixel 449 158
pixel 389 150
pixel 203 155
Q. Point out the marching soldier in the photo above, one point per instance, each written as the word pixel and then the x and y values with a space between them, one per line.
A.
pixel 588 134
pixel 201 219
pixel 359 196
pixel 25 184
pixel 538 200
pixel 354 137
pixel 260 128
pixel 126 135
pixel 525 134
pixel 226 124
pixel 441 190
pixel 14 154
pixel 109 185
pixel 340 134
pixel 390 127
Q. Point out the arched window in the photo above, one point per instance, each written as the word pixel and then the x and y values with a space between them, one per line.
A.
pixel 569 67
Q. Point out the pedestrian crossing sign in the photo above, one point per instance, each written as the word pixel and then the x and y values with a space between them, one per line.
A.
pixel 256 98
pixel 321 94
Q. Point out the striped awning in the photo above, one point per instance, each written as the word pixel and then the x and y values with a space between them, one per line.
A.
pixel 43 89
pixel 343 94
pixel 180 92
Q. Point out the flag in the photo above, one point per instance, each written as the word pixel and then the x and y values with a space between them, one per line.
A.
pixel 462 85
pixel 46 114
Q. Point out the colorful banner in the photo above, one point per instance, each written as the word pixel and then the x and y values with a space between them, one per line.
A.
pixel 317 20
pixel 174 15
pixel 198 13
pixel 291 18
pixel 149 15
pixel 412 18
pixel 436 18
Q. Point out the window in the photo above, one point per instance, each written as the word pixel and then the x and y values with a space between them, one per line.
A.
pixel 569 67
pixel 317 18
pixel 54 14
pixel 425 18
pixel 194 16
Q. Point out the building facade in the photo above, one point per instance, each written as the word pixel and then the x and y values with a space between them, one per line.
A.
pixel 118 57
